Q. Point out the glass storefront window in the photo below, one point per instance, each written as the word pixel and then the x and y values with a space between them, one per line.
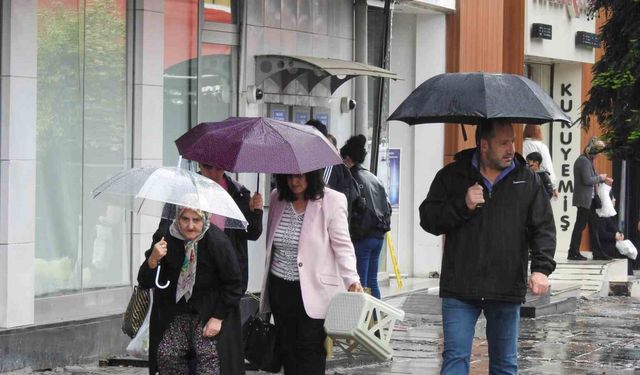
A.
pixel 192 96
pixel 82 138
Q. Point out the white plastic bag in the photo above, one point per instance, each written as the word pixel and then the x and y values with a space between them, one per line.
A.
pixel 627 249
pixel 139 345
pixel 607 209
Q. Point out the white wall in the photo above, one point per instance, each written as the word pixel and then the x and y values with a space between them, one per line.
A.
pixel 564 27
pixel 17 161
pixel 318 28
pixel 418 53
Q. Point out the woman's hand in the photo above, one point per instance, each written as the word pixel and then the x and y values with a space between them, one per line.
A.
pixel 356 287
pixel 212 328
pixel 619 236
pixel 159 251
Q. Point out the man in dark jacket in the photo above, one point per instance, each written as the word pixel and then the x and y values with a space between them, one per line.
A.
pixel 338 177
pixel 534 159
pixel 492 209
pixel 251 207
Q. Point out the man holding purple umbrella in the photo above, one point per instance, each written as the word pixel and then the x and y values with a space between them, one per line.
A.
pixel 251 207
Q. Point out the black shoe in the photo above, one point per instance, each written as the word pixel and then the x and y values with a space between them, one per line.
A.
pixel 572 256
pixel 601 256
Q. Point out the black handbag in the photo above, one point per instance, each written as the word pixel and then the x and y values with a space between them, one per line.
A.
pixel 136 311
pixel 596 203
pixel 261 348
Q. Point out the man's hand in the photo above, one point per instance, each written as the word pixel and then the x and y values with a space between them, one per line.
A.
pixel 356 287
pixel 474 196
pixel 555 194
pixel 212 328
pixel 619 236
pixel 256 202
pixel 538 283
pixel 608 180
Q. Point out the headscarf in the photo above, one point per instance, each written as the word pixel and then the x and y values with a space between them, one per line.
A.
pixel 595 146
pixel 187 277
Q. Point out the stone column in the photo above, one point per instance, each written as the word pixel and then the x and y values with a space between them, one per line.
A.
pixel 18 161
pixel 148 52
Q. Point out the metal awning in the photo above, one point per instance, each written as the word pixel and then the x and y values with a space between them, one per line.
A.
pixel 310 71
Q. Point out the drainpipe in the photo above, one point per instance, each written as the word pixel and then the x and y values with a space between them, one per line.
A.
pixel 360 41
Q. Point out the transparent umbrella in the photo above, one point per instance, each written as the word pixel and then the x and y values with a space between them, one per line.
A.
pixel 153 191
pixel 147 191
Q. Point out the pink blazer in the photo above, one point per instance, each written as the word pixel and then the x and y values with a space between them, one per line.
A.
pixel 326 259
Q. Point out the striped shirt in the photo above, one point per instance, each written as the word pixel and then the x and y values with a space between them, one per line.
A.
pixel 327 174
pixel 284 262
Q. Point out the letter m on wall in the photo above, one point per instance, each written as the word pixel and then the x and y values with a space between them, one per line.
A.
pixel 565 187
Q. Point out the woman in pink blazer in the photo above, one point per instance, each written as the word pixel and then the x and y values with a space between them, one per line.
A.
pixel 310 258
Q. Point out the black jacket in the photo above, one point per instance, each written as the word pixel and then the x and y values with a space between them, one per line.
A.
pixel 546 183
pixel 241 195
pixel 372 215
pixel 341 180
pixel 216 293
pixel 486 250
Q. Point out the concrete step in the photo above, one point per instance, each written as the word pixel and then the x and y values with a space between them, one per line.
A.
pixel 594 277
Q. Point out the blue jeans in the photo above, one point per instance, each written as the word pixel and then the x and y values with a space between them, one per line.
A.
pixel 367 256
pixel 459 319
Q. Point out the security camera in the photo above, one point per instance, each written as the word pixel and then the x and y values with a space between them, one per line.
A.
pixel 254 94
pixel 347 104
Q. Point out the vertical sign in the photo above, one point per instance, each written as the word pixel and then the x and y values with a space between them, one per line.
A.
pixel 567 92
pixel 394 177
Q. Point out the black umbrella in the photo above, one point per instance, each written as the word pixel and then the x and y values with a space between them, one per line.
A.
pixel 470 98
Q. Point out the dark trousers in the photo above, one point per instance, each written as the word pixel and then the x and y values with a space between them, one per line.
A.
pixel 584 216
pixel 300 338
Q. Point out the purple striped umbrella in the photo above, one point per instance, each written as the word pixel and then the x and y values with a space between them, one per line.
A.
pixel 258 144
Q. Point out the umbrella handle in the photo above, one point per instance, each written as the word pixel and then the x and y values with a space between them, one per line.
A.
pixel 158 280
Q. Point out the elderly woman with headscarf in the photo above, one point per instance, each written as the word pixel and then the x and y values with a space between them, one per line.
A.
pixel 197 315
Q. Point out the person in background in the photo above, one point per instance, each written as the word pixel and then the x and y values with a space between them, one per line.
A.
pixel 533 142
pixel 585 180
pixel 309 259
pixel 494 213
pixel 251 207
pixel 533 160
pixel 368 225
pixel 609 233
pixel 338 177
pixel 197 316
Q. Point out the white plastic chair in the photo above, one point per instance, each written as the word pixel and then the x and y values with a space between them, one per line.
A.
pixel 354 319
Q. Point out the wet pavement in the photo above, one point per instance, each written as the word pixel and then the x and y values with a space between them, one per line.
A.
pixel 601 337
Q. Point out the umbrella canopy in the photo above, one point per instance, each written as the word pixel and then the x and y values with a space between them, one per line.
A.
pixel 470 98
pixel 258 144
pixel 148 190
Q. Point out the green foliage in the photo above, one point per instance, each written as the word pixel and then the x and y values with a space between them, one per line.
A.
pixel 614 99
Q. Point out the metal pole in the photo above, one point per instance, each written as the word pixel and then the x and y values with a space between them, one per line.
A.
pixel 384 62
pixel 624 199
pixel 361 83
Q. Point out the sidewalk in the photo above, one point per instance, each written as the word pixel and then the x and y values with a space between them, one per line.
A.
pixel 601 337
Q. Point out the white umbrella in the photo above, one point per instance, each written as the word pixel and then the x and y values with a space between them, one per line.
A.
pixel 147 191
pixel 153 191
